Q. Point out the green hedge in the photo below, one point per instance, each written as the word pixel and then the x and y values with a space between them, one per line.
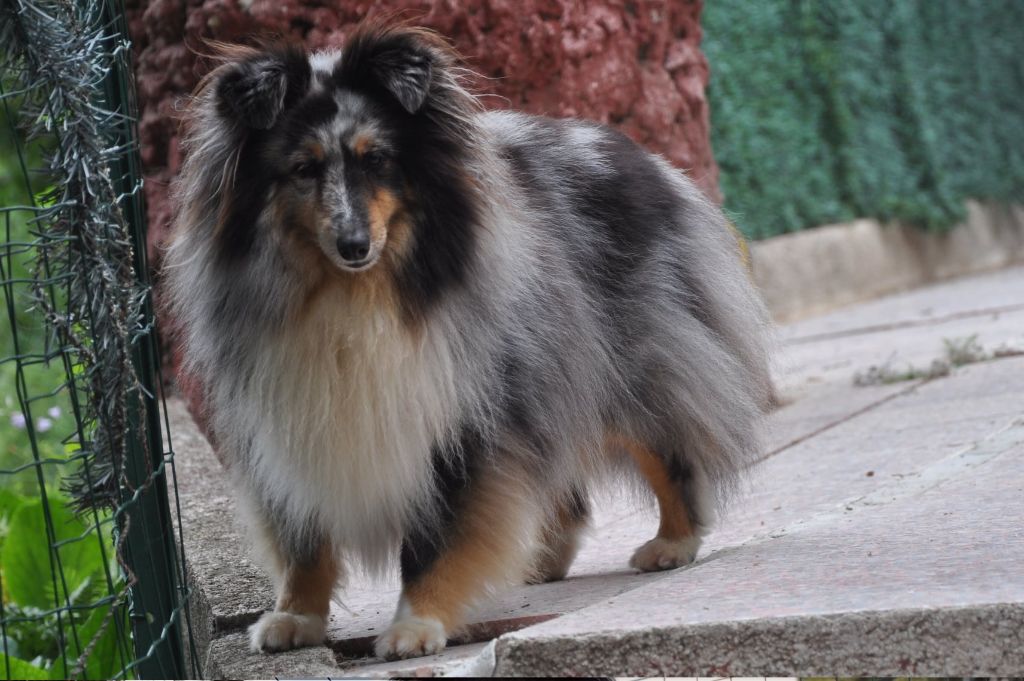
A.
pixel 827 110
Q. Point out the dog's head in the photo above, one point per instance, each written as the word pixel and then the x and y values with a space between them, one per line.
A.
pixel 336 159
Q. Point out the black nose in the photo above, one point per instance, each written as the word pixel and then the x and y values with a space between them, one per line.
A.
pixel 354 247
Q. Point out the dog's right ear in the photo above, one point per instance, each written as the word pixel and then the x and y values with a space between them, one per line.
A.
pixel 255 90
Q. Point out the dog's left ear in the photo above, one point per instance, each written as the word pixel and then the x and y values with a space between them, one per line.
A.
pixel 398 61
pixel 405 71
pixel 256 90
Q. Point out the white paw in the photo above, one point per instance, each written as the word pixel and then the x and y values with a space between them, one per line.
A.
pixel 665 554
pixel 411 637
pixel 277 631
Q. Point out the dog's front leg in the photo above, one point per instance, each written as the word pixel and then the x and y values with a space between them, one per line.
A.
pixel 483 542
pixel 305 584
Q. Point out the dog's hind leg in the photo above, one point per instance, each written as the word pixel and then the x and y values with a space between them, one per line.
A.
pixel 560 538
pixel 490 525
pixel 306 577
pixel 680 493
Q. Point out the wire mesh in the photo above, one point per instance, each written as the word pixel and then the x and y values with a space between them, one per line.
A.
pixel 92 581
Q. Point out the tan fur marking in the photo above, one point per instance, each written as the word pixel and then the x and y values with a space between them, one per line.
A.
pixel 484 551
pixel 307 589
pixel 362 143
pixel 372 290
pixel 296 222
pixel 675 519
pixel 399 240
pixel 399 233
pixel 381 209
pixel 316 150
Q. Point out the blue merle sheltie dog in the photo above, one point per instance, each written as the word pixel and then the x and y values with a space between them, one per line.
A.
pixel 426 331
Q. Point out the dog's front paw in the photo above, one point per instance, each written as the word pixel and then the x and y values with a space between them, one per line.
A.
pixel 665 554
pixel 411 637
pixel 277 631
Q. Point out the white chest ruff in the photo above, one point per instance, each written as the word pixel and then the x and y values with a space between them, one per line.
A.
pixel 344 411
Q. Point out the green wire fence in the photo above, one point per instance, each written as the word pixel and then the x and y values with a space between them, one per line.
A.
pixel 92 581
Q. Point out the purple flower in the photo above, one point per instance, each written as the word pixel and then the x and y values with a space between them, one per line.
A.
pixel 54 412
pixel 43 424
pixel 18 419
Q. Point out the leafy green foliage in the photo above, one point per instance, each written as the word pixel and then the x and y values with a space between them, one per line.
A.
pixel 826 110
pixel 29 559
pixel 20 669
pixel 102 631
pixel 9 503
pixel 55 559
pixel 37 380
pixel 49 558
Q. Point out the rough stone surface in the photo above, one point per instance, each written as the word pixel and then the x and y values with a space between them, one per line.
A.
pixel 231 658
pixel 229 590
pixel 460 660
pixel 923 642
pixel 635 65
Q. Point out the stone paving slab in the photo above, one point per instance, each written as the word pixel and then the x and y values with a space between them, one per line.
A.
pixel 927 642
pixel 838 360
pixel 229 590
pixel 847 471
pixel 473 659
pixel 944 560
pixel 892 443
pixel 904 330
pixel 934 304
pixel 822 406
pixel 230 658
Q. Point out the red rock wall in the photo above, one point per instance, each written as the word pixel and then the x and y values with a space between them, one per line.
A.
pixel 634 65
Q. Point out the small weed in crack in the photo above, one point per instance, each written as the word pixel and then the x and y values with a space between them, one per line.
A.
pixel 957 352
pixel 961 351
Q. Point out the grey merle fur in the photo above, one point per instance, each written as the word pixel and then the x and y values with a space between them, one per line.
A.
pixel 568 283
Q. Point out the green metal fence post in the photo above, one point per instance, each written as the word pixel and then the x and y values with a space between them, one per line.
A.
pixel 150 545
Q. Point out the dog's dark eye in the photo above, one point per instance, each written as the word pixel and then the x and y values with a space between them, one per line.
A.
pixel 307 169
pixel 376 160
